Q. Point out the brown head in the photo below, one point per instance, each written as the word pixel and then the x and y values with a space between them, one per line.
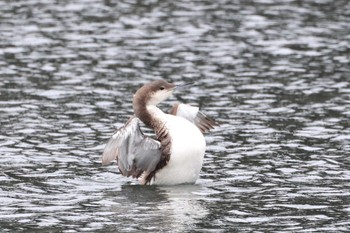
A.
pixel 151 94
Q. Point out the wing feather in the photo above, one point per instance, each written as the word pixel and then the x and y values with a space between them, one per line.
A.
pixel 195 116
pixel 135 153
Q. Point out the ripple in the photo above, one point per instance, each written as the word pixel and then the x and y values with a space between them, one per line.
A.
pixel 273 74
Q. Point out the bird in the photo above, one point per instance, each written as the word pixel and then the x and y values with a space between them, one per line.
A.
pixel 175 155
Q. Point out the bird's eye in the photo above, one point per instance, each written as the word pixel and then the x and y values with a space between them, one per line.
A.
pixel 161 88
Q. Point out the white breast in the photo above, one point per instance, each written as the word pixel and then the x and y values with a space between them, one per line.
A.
pixel 187 151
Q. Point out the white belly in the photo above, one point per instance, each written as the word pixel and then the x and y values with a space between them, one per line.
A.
pixel 187 153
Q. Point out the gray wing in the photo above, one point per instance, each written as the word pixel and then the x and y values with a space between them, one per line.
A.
pixel 195 116
pixel 135 153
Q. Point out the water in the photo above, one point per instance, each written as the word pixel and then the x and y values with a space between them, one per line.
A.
pixel 275 75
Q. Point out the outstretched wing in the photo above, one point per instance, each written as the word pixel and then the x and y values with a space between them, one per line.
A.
pixel 193 114
pixel 135 153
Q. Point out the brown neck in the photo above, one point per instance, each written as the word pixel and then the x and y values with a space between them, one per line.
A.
pixel 140 110
pixel 161 131
pixel 156 124
pixel 143 114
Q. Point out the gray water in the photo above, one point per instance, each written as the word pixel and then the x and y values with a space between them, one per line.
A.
pixel 274 74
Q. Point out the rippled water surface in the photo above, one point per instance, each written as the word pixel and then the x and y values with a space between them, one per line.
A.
pixel 274 74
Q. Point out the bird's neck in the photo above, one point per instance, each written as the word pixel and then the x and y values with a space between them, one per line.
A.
pixel 156 114
pixel 153 117
pixel 148 114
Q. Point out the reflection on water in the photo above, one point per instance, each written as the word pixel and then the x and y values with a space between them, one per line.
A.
pixel 273 73
pixel 156 208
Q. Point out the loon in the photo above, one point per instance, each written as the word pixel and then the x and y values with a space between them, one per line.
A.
pixel 176 155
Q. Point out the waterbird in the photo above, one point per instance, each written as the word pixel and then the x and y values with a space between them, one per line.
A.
pixel 176 155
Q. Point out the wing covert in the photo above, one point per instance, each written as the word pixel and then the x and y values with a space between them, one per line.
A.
pixel 135 153
pixel 195 116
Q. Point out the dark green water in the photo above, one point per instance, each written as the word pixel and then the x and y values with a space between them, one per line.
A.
pixel 274 74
